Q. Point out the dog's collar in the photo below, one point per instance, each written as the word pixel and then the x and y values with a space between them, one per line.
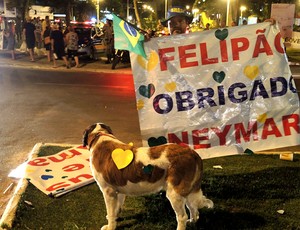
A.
pixel 97 136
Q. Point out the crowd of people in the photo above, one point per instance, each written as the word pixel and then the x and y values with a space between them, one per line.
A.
pixel 41 33
pixel 42 37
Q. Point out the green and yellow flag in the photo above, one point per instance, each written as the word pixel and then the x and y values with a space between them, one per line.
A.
pixel 127 37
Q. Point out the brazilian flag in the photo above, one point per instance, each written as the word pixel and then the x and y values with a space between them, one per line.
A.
pixel 127 37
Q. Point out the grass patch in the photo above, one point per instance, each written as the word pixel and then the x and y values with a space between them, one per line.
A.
pixel 247 193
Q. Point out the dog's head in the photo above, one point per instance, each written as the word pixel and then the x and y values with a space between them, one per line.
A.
pixel 91 132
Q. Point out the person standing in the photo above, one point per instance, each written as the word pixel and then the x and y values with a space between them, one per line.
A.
pixel 207 26
pixel 38 35
pixel 29 36
pixel 45 23
pixel 72 45
pixel 10 35
pixel 177 21
pixel 58 46
pixel 47 42
pixel 108 40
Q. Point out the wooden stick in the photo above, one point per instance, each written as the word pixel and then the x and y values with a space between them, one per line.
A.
pixel 274 152
pixel 11 184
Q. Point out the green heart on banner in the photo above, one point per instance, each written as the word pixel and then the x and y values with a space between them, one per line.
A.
pixel 221 34
pixel 248 152
pixel 147 91
pixel 218 76
pixel 153 141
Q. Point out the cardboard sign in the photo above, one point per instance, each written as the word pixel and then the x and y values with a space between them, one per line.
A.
pixel 63 172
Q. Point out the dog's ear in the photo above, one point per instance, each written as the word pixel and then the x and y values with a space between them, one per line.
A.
pixel 86 134
pixel 107 128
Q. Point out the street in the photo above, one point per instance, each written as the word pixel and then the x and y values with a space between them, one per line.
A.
pixel 43 105
pixel 56 107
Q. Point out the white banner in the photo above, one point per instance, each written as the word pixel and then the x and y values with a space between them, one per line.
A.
pixel 219 91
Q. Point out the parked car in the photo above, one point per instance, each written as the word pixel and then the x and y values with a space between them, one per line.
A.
pixel 90 40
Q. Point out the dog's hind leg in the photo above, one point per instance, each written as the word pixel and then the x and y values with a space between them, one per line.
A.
pixel 121 200
pixel 192 205
pixel 195 201
pixel 112 208
pixel 178 204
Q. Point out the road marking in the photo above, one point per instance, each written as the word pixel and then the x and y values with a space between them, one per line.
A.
pixel 92 86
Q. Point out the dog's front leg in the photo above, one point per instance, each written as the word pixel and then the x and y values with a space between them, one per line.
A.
pixel 112 208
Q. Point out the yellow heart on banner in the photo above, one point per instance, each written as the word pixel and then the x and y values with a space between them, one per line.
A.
pixel 122 158
pixel 170 87
pixel 251 72
pixel 149 64
pixel 262 118
pixel 140 104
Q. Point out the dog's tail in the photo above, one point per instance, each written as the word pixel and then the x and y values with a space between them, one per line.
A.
pixel 199 200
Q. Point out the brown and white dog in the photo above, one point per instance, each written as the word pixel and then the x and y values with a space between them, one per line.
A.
pixel 173 168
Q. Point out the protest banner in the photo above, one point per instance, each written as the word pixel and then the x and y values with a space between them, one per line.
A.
pixel 294 41
pixel 221 91
pixel 60 173
pixel 284 14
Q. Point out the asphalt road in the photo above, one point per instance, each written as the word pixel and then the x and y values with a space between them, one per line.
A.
pixel 55 107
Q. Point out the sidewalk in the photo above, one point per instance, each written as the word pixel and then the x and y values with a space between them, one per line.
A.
pixel 41 62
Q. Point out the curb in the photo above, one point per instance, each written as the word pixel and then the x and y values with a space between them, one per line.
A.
pixel 8 216
pixel 41 63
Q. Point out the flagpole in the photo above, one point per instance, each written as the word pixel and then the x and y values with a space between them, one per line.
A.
pixel 98 12
pixel 166 8
pixel 127 10
pixel 227 13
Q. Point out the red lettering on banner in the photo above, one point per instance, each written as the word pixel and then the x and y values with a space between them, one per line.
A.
pixel 238 45
pixel 76 180
pixel 197 138
pixel 223 49
pixel 174 139
pixel 64 156
pixel 204 55
pixel 164 58
pixel 277 43
pixel 261 40
pixel 185 55
pixel 73 167
pixel 246 134
pixel 200 138
pixel 291 122
pixel 222 134
pixel 270 128
pixel 38 162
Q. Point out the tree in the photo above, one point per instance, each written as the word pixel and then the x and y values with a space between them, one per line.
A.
pixel 138 20
pixel 22 7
